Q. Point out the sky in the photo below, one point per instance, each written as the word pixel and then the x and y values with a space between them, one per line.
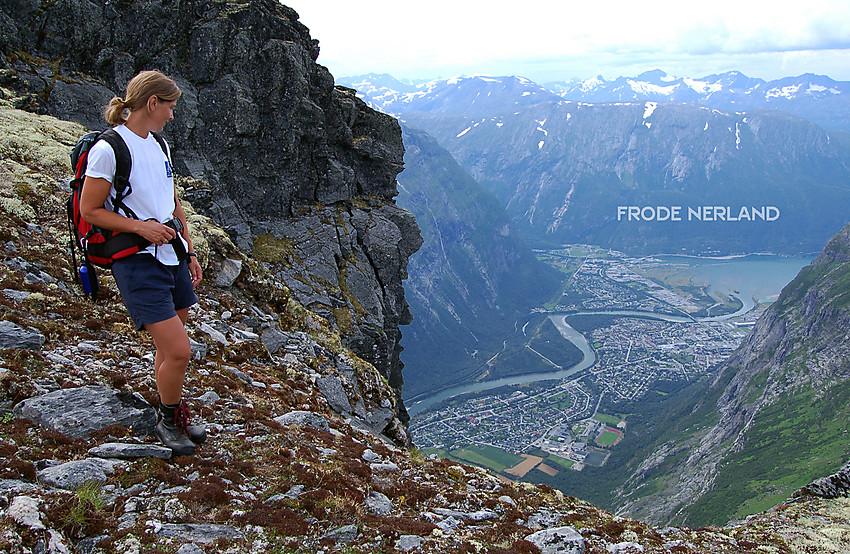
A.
pixel 561 40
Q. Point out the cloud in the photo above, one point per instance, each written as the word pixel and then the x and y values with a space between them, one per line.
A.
pixel 444 37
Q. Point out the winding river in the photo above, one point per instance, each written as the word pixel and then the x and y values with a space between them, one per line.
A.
pixel 750 279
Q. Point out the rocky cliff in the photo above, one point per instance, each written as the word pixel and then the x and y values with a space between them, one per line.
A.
pixel 471 280
pixel 775 416
pixel 295 461
pixel 298 171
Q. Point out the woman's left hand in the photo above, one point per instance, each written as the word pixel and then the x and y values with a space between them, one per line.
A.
pixel 195 271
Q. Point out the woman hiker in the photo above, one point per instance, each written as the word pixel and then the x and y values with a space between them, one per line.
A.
pixel 156 284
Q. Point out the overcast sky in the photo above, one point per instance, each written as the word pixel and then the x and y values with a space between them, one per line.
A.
pixel 559 40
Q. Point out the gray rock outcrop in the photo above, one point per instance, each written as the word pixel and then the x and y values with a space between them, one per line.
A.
pixel 834 486
pixel 15 336
pixel 72 475
pixel 130 451
pixel 559 540
pixel 78 411
pixel 197 532
pixel 301 417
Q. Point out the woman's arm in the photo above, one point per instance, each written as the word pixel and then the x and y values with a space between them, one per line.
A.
pixel 95 192
pixel 194 266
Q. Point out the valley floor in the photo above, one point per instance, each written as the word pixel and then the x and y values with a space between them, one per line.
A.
pixel 648 327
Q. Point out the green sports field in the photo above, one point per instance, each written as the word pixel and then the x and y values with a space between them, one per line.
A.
pixel 608 437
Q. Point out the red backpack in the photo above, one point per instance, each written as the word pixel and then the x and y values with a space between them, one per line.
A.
pixel 96 246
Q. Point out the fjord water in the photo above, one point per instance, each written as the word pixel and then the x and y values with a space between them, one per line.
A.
pixel 756 277
pixel 752 278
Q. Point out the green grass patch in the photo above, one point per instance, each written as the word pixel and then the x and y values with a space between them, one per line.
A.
pixel 487 456
pixel 558 460
pixel 792 442
pixel 606 419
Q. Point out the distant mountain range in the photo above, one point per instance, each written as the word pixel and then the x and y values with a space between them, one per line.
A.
pixel 814 97
pixel 469 96
pixel 615 173
pixel 817 98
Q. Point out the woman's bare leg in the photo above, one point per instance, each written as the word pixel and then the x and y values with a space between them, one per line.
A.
pixel 157 361
pixel 173 353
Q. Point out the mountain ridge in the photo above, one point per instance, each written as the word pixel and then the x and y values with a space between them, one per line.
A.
pixel 564 168
pixel 788 374
pixel 470 281
pixel 815 97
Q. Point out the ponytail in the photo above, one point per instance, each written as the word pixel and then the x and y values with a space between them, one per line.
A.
pixel 114 112
pixel 139 90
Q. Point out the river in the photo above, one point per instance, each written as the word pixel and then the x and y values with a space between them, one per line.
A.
pixel 752 278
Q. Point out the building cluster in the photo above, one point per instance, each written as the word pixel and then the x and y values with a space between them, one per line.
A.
pixel 514 422
pixel 633 356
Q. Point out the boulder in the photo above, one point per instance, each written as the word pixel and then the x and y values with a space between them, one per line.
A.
pixel 15 336
pixel 331 387
pixel 72 475
pixel 130 451
pixel 77 412
pixel 558 540
pixel 198 532
pixel 24 511
pixel 378 503
pixel 300 417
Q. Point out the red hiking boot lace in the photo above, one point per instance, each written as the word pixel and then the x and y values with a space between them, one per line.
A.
pixel 182 416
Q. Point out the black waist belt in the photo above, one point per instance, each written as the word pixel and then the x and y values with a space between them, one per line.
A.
pixel 176 243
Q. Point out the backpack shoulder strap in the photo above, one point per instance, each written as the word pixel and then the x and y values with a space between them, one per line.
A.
pixel 123 163
pixel 162 144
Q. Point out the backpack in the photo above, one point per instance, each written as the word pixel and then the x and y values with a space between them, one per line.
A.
pixel 96 246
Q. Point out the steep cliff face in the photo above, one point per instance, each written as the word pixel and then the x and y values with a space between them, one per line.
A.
pixel 472 279
pixel 778 409
pixel 287 156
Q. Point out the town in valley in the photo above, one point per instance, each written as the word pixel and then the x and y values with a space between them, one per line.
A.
pixel 647 325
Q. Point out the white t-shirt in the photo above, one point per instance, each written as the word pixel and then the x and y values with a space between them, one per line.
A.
pixel 151 179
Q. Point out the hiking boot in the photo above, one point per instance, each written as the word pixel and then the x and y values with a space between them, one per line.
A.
pixel 197 433
pixel 170 429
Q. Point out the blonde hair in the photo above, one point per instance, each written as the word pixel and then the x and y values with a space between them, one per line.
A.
pixel 139 90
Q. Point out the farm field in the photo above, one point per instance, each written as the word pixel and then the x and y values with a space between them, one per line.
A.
pixel 486 456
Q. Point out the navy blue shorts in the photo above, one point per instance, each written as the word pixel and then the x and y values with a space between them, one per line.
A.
pixel 153 292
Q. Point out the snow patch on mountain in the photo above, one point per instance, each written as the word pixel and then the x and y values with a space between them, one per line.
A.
pixel 789 92
pixel 702 87
pixel 642 87
pixel 820 88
